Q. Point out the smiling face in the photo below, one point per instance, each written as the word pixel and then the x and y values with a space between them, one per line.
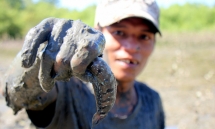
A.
pixel 129 43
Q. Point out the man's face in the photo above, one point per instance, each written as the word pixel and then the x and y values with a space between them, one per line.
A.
pixel 129 43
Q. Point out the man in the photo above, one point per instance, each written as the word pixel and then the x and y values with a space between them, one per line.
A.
pixel 129 28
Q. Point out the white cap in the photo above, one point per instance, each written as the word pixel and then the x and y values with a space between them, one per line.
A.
pixel 112 11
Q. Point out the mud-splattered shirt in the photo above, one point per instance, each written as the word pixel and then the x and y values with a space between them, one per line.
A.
pixel 76 105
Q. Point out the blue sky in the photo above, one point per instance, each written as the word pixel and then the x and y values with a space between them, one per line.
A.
pixel 81 4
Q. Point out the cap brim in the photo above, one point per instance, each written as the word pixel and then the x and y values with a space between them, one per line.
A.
pixel 108 19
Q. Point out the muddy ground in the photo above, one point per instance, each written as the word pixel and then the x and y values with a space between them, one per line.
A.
pixel 181 69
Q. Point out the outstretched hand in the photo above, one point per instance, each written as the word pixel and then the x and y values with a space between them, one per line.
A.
pixel 71 47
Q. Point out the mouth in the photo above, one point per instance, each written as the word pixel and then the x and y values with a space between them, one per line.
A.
pixel 127 61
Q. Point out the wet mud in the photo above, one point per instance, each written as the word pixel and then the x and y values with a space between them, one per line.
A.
pixel 69 48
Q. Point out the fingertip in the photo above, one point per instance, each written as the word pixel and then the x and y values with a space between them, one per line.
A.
pixel 34 38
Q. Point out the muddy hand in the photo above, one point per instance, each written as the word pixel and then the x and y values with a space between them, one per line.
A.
pixel 71 47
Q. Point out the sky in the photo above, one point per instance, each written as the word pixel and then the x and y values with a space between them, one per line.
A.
pixel 82 4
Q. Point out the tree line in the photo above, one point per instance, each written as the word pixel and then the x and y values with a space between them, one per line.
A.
pixel 188 17
pixel 18 16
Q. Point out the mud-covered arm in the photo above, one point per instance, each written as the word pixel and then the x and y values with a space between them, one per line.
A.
pixel 22 87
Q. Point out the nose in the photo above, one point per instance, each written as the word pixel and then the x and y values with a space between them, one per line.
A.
pixel 131 44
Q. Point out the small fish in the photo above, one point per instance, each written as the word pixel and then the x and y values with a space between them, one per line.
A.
pixel 105 88
pixel 104 85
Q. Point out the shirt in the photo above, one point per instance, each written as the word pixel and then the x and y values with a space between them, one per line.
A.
pixel 75 106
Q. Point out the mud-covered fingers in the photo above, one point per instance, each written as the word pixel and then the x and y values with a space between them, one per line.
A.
pixel 45 78
pixel 81 45
pixel 58 33
pixel 34 38
pixel 47 71
pixel 89 45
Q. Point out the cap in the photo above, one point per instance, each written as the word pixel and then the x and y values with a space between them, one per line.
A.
pixel 112 11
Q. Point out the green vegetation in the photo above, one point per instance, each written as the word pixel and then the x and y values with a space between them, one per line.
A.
pixel 189 17
pixel 18 16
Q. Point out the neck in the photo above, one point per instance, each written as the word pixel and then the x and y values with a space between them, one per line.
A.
pixel 126 99
pixel 124 86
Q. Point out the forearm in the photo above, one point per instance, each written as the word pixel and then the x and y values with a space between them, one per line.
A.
pixel 22 88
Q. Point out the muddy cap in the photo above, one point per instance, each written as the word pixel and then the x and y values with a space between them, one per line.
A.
pixel 112 11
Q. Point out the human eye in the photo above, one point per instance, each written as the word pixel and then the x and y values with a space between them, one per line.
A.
pixel 118 33
pixel 144 37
